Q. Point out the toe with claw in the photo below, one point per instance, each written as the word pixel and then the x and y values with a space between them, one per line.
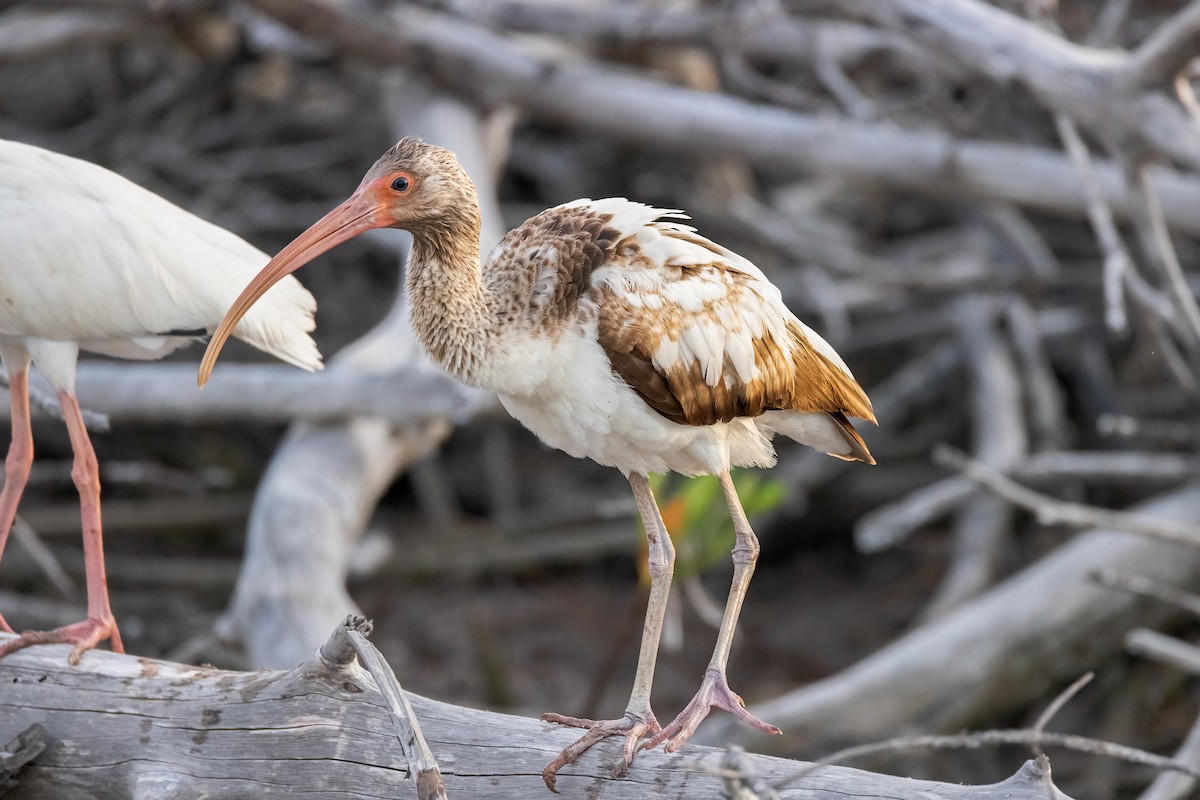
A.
pixel 632 727
pixel 714 692
pixel 84 635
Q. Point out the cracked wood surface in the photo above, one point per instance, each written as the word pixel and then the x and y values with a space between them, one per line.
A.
pixel 123 726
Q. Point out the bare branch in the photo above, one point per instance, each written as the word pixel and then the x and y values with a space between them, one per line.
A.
pixel 1101 89
pixel 1146 587
pixel 1169 49
pixel 1057 704
pixel 784 40
pixel 1080 744
pixel 350 639
pixel 1117 262
pixel 403 394
pixel 608 102
pixel 43 556
pixel 892 523
pixel 1173 785
pixel 998 439
pixel 1162 238
pixel 1163 649
pixel 1108 465
pixel 1050 511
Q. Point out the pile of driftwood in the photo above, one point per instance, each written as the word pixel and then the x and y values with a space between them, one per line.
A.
pixel 988 209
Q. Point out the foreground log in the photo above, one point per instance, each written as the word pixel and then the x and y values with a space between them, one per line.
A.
pixel 122 726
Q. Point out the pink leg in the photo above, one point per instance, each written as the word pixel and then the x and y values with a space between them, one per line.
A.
pixel 20 458
pixel 714 688
pixel 99 624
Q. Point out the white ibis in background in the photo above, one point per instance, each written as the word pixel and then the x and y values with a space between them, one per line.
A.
pixel 616 334
pixel 90 261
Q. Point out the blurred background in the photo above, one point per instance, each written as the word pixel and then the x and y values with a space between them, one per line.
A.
pixel 978 205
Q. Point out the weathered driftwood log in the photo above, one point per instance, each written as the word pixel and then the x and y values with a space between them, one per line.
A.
pixel 1040 628
pixel 128 727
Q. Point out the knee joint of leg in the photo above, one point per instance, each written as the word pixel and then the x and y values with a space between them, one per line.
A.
pixel 85 473
pixel 661 559
pixel 746 551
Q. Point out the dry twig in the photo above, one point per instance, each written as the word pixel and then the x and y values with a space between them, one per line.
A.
pixel 1147 587
pixel 1033 738
pixel 1050 511
pixel 350 639
pixel 1163 649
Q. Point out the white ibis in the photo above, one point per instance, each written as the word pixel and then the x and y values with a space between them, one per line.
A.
pixel 613 333
pixel 94 262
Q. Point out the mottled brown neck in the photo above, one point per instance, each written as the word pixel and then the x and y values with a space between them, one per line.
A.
pixel 449 239
pixel 450 307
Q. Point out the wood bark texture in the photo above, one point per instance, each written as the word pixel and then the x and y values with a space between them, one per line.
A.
pixel 128 727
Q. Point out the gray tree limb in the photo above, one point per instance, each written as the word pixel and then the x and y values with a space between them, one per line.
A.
pixel 605 101
pixel 785 39
pixel 1110 91
pixel 406 394
pixel 122 726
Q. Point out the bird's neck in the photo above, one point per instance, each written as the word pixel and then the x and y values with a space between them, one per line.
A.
pixel 451 308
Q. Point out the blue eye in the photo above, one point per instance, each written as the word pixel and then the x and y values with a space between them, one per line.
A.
pixel 401 183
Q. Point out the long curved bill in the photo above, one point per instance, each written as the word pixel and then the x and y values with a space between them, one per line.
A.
pixel 356 215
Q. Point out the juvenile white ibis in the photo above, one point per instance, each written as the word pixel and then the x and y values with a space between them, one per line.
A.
pixel 613 333
pixel 91 261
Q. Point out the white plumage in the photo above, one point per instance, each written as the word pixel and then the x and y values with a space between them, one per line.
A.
pixel 92 258
pixel 91 261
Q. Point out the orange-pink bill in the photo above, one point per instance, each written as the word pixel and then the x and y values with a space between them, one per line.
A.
pixel 348 220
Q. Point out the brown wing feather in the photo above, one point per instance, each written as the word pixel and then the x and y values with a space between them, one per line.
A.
pixel 797 378
pixel 823 386
pixel 858 448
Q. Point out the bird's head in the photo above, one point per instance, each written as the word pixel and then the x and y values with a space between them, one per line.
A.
pixel 415 186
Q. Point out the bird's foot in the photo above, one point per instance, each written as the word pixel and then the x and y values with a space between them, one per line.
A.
pixel 84 635
pixel 714 692
pixel 4 626
pixel 631 726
